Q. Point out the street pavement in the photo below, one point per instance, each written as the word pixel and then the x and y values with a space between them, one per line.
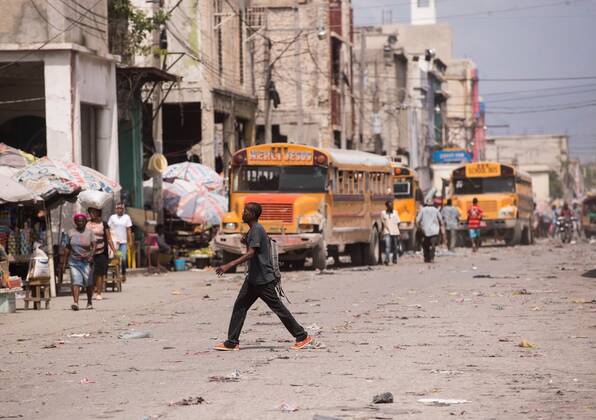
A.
pixel 447 331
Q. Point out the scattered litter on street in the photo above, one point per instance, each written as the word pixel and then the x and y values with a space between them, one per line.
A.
pixel 232 377
pixel 287 407
pixel 384 398
pixel 526 344
pixel 320 417
pixel 440 402
pixel 188 401
pixel 79 335
pixel 86 381
pixel 131 335
pixel 521 292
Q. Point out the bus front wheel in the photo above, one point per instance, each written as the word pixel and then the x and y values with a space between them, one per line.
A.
pixel 372 250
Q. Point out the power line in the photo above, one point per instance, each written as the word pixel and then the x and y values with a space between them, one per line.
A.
pixel 18 101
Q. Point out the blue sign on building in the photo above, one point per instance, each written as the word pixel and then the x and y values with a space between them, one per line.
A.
pixel 451 156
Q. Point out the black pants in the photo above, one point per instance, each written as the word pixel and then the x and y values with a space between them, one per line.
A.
pixel 428 247
pixel 248 295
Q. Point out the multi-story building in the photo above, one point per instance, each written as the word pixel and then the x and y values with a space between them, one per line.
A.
pixel 210 113
pixel 303 71
pixel 58 81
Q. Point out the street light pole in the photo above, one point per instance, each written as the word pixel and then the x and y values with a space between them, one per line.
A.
pixel 157 122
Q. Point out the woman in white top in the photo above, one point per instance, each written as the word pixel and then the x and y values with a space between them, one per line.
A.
pixel 120 225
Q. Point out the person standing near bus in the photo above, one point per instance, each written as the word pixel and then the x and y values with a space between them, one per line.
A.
pixel 260 283
pixel 429 220
pixel 450 216
pixel 474 220
pixel 390 220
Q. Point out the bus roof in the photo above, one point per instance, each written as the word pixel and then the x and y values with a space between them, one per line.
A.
pixel 356 158
pixel 303 155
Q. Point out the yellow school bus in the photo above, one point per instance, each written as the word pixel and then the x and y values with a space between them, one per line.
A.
pixel 504 195
pixel 406 195
pixel 316 202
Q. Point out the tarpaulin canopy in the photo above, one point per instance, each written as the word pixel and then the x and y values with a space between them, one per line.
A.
pixel 200 175
pixel 14 158
pixel 49 177
pixel 12 191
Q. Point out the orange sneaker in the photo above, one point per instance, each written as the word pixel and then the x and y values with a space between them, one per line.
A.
pixel 222 347
pixel 301 344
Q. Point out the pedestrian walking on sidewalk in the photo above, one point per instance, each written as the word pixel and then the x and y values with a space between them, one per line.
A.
pixel 103 238
pixel 429 220
pixel 260 283
pixel 80 248
pixel 450 216
pixel 390 221
pixel 475 215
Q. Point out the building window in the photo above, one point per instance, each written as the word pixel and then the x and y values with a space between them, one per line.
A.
pixel 218 17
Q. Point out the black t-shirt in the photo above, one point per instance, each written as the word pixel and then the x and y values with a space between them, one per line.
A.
pixel 260 270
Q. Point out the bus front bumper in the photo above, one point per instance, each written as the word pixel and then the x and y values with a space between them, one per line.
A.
pixel 286 243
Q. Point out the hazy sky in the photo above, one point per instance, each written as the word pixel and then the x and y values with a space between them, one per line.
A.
pixel 532 39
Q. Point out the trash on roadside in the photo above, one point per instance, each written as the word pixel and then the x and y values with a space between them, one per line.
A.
pixel 582 301
pixel 320 417
pixel 86 381
pixel 288 408
pixel 521 292
pixel 188 401
pixel 384 398
pixel 232 377
pixel 79 335
pixel 176 292
pixel 525 344
pixel 314 328
pixel 49 346
pixel 441 402
pixel 482 276
pixel 131 335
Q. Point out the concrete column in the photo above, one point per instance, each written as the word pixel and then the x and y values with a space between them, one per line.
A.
pixel 229 133
pixel 250 132
pixel 62 130
pixel 207 133
pixel 107 131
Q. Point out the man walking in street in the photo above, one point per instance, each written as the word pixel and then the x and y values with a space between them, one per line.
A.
pixel 474 221
pixel 121 226
pixel 260 282
pixel 390 220
pixel 450 216
pixel 429 220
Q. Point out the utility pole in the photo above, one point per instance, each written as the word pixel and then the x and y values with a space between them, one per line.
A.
pixel 298 68
pixel 157 123
pixel 376 113
pixel 268 71
pixel 362 67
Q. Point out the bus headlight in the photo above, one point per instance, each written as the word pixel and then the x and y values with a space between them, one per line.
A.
pixel 308 228
pixel 507 212
pixel 230 226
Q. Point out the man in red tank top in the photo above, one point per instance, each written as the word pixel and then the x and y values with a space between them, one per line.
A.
pixel 474 221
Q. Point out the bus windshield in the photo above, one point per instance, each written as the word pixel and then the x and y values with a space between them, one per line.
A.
pixel 402 189
pixel 305 179
pixel 484 185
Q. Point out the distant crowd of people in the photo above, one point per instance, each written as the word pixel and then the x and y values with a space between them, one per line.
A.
pixel 545 222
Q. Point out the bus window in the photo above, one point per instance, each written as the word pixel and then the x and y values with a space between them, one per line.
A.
pixel 402 189
pixel 280 178
pixel 484 185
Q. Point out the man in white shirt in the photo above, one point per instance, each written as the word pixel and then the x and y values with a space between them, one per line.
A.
pixel 120 226
pixel 390 220
pixel 430 221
